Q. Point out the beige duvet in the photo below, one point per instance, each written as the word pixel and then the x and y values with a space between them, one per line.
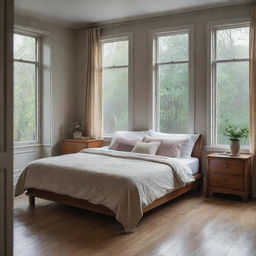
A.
pixel 122 181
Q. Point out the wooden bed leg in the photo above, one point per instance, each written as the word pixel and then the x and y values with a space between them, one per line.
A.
pixel 199 187
pixel 31 201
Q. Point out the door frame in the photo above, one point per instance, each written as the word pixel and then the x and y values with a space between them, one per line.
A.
pixel 6 127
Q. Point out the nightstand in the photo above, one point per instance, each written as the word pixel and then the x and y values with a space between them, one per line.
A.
pixel 76 145
pixel 229 175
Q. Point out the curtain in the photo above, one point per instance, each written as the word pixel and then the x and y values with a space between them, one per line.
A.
pixel 92 112
pixel 253 95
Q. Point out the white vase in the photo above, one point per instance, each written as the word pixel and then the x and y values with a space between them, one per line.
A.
pixel 234 147
pixel 77 134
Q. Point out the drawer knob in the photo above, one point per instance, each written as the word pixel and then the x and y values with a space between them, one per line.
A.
pixel 226 165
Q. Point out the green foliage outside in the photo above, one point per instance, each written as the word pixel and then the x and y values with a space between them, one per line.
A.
pixel 115 87
pixel 173 47
pixel 232 82
pixel 24 90
pixel 115 100
pixel 232 98
pixel 174 98
pixel 173 84
pixel 24 47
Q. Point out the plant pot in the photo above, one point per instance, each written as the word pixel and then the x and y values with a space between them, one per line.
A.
pixel 234 147
pixel 77 134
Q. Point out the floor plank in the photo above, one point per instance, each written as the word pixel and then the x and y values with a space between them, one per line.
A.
pixel 188 226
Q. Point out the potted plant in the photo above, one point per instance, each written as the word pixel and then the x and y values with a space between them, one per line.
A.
pixel 234 133
pixel 76 129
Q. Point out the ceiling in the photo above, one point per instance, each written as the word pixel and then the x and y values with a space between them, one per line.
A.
pixel 75 13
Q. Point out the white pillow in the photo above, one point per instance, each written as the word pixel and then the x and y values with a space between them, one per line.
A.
pixel 146 147
pixel 189 141
pixel 139 135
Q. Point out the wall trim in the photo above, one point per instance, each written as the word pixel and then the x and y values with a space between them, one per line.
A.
pixel 44 19
pixel 127 20
pixel 30 148
pixel 153 16
pixel 26 152
pixel 28 30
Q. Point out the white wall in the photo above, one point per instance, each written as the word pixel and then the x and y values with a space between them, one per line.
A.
pixel 58 89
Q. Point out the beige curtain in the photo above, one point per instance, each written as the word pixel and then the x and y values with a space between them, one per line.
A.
pixel 253 94
pixel 92 116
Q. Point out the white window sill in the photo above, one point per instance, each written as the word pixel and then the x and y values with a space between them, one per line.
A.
pixel 244 150
pixel 26 145
pixel 21 148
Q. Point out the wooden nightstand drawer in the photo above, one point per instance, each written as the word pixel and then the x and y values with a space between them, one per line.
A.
pixel 76 145
pixel 226 166
pixel 95 144
pixel 73 147
pixel 226 182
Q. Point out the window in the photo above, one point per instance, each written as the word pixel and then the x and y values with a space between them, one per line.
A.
pixel 26 73
pixel 115 54
pixel 172 79
pixel 230 81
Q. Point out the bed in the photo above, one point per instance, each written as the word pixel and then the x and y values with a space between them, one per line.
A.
pixel 141 185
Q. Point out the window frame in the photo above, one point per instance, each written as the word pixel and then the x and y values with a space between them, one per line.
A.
pixel 117 38
pixel 155 107
pixel 38 80
pixel 212 134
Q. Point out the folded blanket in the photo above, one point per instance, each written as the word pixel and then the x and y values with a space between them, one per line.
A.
pixel 124 182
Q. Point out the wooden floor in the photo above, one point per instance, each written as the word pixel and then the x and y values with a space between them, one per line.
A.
pixel 188 226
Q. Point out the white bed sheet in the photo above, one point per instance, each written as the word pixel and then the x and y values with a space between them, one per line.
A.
pixel 191 162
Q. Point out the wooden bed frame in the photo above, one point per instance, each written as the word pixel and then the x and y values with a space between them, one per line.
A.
pixel 197 152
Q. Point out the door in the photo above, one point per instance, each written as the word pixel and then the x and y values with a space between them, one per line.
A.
pixel 6 98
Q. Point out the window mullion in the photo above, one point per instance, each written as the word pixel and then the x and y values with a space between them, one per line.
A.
pixel 173 62
pixel 116 67
pixel 231 60
pixel 157 96
pixel 25 61
pixel 214 94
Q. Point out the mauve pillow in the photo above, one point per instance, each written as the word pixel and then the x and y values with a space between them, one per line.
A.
pixel 124 144
pixel 146 148
pixel 168 147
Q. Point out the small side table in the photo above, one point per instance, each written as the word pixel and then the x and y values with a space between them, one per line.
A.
pixel 229 175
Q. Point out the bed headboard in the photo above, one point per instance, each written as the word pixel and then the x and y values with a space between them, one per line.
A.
pixel 198 149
